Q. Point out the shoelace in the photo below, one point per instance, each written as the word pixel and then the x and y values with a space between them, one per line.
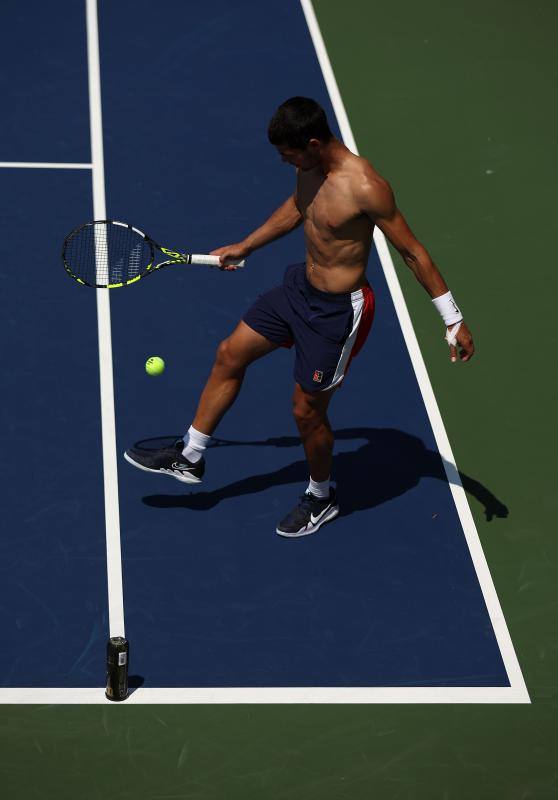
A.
pixel 306 502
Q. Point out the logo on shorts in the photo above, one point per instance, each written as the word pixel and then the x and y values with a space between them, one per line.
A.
pixel 318 376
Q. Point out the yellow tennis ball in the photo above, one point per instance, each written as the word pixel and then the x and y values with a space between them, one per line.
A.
pixel 154 365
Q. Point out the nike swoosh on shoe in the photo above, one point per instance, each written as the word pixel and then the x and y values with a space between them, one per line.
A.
pixel 314 519
pixel 182 467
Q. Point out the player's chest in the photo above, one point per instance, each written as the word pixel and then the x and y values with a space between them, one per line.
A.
pixel 328 204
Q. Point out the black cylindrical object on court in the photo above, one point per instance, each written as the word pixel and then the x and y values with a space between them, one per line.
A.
pixel 117 668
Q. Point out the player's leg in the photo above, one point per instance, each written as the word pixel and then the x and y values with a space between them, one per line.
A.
pixel 328 330
pixel 310 413
pixel 264 328
pixel 319 503
pixel 234 355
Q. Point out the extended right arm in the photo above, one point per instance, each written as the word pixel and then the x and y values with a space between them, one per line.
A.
pixel 285 219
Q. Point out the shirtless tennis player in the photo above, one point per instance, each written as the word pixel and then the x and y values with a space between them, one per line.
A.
pixel 324 307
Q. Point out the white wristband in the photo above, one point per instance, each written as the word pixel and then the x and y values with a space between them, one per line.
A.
pixel 448 309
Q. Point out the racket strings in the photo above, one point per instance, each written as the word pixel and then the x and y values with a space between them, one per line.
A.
pixel 107 254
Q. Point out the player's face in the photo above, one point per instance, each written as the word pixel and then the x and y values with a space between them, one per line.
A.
pixel 302 159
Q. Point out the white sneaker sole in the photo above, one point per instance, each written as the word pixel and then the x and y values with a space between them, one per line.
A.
pixel 183 477
pixel 331 514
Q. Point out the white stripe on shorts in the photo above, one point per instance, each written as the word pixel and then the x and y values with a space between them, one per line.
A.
pixel 357 299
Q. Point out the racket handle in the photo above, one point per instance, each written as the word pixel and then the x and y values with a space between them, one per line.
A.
pixel 213 261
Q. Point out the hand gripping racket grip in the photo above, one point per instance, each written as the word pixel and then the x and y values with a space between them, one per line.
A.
pixel 213 261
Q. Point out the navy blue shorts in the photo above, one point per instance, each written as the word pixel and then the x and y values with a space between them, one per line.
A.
pixel 326 329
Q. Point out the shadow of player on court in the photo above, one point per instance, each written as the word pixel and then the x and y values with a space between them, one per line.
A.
pixel 390 463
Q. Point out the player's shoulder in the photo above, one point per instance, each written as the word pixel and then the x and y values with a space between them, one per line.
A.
pixel 366 177
pixel 371 190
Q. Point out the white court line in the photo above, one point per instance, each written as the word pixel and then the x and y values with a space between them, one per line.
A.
pixel 475 548
pixel 110 470
pixel 257 696
pixel 42 165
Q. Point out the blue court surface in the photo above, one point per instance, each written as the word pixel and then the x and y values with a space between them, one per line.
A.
pixel 385 596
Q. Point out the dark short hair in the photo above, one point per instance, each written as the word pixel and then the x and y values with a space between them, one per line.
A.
pixel 296 121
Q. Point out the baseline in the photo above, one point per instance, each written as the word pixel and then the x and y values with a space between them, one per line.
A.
pixel 257 696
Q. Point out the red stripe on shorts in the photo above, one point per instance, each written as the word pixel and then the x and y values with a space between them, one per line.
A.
pixel 365 322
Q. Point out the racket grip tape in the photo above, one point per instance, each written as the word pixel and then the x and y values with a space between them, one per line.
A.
pixel 213 261
pixel 117 668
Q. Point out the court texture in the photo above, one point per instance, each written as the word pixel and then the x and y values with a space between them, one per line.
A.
pixel 409 649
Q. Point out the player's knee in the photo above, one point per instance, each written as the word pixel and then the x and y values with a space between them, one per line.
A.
pixel 307 417
pixel 226 359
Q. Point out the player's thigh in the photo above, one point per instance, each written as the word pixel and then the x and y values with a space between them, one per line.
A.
pixel 245 345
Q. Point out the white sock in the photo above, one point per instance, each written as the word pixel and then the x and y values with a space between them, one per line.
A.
pixel 319 488
pixel 195 443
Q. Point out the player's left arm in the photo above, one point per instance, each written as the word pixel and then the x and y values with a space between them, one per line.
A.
pixel 377 201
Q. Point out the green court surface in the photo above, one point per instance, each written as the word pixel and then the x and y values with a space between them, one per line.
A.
pixel 454 103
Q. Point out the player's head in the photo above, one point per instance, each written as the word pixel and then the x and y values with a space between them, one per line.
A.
pixel 299 130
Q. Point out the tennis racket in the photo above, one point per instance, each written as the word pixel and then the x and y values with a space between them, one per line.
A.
pixel 106 254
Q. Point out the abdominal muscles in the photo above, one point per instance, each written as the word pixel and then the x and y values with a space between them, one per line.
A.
pixel 337 255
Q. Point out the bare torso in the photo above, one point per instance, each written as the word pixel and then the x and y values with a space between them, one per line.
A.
pixel 338 235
